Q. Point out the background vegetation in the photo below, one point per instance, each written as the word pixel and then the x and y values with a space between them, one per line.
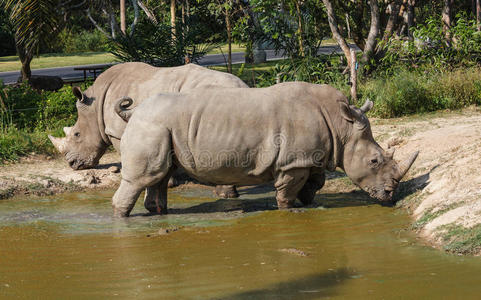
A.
pixel 412 56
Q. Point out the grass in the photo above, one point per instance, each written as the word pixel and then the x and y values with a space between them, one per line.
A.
pixel 460 239
pixel 52 60
pixel 235 48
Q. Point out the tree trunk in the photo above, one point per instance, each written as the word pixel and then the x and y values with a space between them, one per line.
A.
pixel 148 12
pixel 300 30
pixel 25 58
pixel 353 76
pixel 446 17
pixel 373 32
pixel 348 27
pixel 172 17
pixel 411 5
pixel 331 17
pixel 229 40
pixel 478 14
pixel 122 16
pixel 393 20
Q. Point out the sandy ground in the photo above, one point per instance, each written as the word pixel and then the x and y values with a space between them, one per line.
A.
pixel 443 187
pixel 42 175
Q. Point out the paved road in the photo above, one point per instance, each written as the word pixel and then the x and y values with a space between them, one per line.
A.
pixel 208 60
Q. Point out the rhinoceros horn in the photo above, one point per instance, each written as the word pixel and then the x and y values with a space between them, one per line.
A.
pixel 59 143
pixel 67 130
pixel 367 106
pixel 121 108
pixel 406 164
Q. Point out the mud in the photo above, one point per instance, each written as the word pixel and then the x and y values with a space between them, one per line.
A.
pixel 441 191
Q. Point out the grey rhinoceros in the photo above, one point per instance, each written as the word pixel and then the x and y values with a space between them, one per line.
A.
pixel 289 133
pixel 98 126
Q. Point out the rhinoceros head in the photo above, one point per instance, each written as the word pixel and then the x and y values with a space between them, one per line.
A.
pixel 83 145
pixel 365 162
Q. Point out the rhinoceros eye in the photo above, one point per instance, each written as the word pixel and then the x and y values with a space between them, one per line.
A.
pixel 77 134
pixel 374 161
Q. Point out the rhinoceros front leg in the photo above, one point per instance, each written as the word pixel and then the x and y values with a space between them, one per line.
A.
pixel 125 197
pixel 155 199
pixel 314 183
pixel 288 184
pixel 226 191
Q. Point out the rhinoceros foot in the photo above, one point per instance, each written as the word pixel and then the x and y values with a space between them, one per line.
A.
pixel 226 191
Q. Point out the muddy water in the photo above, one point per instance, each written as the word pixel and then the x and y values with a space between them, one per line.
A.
pixel 68 245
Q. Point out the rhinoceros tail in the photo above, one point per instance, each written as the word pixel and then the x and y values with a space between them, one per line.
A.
pixel 122 108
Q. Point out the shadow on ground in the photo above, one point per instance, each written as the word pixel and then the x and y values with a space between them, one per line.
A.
pixel 314 286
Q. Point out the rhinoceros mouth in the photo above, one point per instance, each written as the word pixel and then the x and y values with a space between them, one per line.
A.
pixel 80 164
pixel 381 194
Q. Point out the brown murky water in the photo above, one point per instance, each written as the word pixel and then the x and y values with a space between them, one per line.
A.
pixel 68 247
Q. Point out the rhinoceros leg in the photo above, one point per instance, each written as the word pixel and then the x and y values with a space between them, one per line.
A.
pixel 226 191
pixel 124 198
pixel 155 199
pixel 288 184
pixel 314 183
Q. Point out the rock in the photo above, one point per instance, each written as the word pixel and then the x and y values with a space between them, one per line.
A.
pixel 90 178
pixel 294 251
pixel 114 169
pixel 44 82
pixel 163 231
pixel 394 141
pixel 46 183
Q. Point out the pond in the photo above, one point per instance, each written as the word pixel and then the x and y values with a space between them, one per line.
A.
pixel 209 248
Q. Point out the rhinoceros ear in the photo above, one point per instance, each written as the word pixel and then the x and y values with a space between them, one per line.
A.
pixel 78 94
pixel 368 105
pixel 346 112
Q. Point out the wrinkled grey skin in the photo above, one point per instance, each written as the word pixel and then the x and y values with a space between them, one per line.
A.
pixel 289 133
pixel 98 125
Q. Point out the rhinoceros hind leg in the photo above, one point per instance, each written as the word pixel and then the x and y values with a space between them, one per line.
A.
pixel 226 191
pixel 313 184
pixel 155 199
pixel 124 198
pixel 288 184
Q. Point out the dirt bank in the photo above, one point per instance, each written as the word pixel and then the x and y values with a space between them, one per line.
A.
pixel 41 175
pixel 442 191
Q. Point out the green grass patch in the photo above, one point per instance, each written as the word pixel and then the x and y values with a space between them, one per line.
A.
pixel 462 240
pixel 16 142
pixel 12 63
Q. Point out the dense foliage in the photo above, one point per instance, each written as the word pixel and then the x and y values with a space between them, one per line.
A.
pixel 155 44
pixel 27 116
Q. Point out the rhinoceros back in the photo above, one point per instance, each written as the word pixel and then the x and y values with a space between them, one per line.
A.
pixel 234 136
pixel 140 81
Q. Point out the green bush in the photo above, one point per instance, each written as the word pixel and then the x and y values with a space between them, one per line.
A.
pixel 409 92
pixel 155 44
pixel 15 143
pixel 317 70
pixel 24 108
pixel 28 116
pixel 56 110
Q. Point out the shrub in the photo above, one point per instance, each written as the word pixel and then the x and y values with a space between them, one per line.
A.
pixel 317 70
pixel 155 44
pixel 24 108
pixel 15 143
pixel 56 110
pixel 409 92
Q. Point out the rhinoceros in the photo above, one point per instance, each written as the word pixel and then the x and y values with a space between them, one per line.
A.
pixel 98 126
pixel 289 133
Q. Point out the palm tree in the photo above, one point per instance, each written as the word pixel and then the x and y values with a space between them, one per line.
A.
pixel 35 21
